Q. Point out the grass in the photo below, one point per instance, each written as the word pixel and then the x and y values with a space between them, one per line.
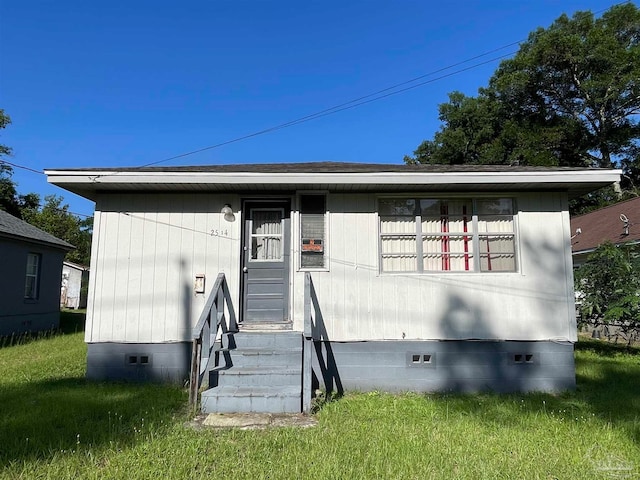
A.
pixel 55 424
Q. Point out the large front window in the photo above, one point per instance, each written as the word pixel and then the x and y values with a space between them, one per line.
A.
pixel 438 235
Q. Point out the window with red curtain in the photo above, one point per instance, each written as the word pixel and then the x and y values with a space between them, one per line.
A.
pixel 447 235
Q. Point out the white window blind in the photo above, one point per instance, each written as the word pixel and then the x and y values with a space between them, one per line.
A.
pixel 312 231
pixel 432 234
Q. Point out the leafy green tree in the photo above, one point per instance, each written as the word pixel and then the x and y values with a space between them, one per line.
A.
pixel 569 97
pixel 481 130
pixel 582 68
pixel 608 287
pixel 4 121
pixel 10 200
pixel 54 218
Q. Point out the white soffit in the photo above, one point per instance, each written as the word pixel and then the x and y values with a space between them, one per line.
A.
pixel 381 178
pixel 86 183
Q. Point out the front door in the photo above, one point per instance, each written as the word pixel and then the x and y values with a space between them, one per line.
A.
pixel 266 262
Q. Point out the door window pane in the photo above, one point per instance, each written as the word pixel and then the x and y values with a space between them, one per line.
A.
pixel 266 234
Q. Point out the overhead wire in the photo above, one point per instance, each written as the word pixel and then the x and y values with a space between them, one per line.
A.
pixel 40 204
pixel 356 102
pixel 379 95
pixel 362 100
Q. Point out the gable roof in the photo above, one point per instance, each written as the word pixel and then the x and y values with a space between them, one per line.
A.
pixel 605 225
pixel 75 266
pixel 12 227
pixel 332 176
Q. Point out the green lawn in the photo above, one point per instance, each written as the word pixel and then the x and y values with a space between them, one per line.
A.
pixel 54 424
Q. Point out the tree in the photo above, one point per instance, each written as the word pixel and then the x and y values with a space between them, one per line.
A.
pixel 608 285
pixel 4 121
pixel 10 200
pixel 54 218
pixel 480 130
pixel 569 97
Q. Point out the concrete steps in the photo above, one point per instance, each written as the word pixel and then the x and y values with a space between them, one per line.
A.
pixel 256 372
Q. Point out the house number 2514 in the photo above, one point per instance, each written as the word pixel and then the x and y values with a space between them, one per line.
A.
pixel 218 233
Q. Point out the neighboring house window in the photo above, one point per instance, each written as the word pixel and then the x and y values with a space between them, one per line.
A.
pixel 312 230
pixel 31 285
pixel 438 235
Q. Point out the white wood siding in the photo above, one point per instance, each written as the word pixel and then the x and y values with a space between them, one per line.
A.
pixel 148 248
pixel 359 303
pixel 146 252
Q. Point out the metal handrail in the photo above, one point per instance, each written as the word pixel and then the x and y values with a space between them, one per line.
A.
pixel 205 332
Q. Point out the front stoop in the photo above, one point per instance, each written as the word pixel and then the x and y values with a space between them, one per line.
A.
pixel 256 372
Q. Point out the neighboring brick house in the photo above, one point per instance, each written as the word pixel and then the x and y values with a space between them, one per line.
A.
pixel 618 224
pixel 31 274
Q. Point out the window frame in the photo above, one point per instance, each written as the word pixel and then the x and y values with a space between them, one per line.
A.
pixel 474 233
pixel 35 293
pixel 298 248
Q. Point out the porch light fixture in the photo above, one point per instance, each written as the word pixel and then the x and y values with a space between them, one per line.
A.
pixel 228 213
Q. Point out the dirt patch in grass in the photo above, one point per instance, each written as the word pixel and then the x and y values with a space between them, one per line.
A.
pixel 252 421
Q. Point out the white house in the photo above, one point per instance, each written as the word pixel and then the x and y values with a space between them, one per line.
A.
pixel 75 278
pixel 425 278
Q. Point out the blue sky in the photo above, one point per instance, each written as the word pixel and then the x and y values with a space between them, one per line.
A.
pixel 127 83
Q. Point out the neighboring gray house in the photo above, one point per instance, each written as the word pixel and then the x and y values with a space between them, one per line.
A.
pixel 31 272
pixel 359 276
pixel 75 280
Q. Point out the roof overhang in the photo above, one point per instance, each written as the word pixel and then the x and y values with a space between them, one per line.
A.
pixel 90 183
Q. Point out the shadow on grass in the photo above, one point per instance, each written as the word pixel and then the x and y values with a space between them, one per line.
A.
pixel 40 419
pixel 608 382
pixel 71 321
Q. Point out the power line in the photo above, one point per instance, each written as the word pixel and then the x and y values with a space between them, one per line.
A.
pixel 22 167
pixel 40 204
pixel 378 95
pixel 356 102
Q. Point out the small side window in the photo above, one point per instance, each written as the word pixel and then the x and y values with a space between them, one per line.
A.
pixel 32 277
pixel 312 230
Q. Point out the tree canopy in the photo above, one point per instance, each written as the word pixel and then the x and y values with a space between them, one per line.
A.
pixel 54 218
pixel 569 97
